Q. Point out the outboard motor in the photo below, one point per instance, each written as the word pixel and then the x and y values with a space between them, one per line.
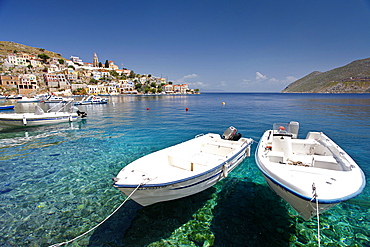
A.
pixel 294 128
pixel 230 134
pixel 82 114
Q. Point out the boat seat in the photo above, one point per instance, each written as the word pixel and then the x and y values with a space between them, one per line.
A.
pixel 227 143
pixel 219 149
pixel 275 156
pixel 326 162
pixel 186 164
pixel 305 146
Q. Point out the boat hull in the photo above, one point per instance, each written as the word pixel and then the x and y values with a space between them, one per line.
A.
pixel 27 120
pixel 147 195
pixel 150 192
pixel 7 107
pixel 28 101
pixel 91 103
pixel 304 207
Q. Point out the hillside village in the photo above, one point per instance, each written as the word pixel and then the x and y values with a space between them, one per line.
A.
pixel 28 73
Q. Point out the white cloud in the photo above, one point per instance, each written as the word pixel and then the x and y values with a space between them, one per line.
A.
pixel 246 82
pixel 223 84
pixel 260 77
pixel 190 76
pixel 184 78
pixel 274 80
pixel 198 84
pixel 187 79
pixel 289 79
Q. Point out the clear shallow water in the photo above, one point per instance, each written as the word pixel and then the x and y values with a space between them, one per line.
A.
pixel 55 181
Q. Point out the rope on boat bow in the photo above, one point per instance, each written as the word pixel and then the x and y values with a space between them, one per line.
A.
pixel 317 212
pixel 70 241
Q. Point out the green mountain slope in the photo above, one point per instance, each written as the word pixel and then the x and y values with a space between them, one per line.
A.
pixel 351 78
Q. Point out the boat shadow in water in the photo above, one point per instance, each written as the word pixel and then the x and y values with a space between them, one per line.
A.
pixel 134 225
pixel 250 214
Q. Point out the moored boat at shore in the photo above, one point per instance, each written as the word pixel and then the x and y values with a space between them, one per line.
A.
pixel 14 96
pixel 28 100
pixel 57 99
pixel 312 174
pixel 92 99
pixel 6 107
pixel 39 117
pixel 183 169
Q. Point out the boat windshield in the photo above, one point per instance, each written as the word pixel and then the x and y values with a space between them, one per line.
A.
pixel 38 110
pixel 281 127
pixel 288 128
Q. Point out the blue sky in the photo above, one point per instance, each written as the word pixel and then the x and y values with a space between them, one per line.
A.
pixel 231 46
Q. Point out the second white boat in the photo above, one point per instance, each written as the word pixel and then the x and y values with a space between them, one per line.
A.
pixel 312 174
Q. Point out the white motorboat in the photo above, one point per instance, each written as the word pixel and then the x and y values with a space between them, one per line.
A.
pixel 92 99
pixel 39 117
pixel 28 100
pixel 312 174
pixel 57 99
pixel 184 169
pixel 14 96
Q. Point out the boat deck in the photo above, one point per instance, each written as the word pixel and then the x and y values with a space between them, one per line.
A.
pixel 181 161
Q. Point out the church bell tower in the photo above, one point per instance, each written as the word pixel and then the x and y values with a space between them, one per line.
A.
pixel 95 60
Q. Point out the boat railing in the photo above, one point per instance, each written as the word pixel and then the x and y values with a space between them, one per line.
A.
pixel 336 151
pixel 61 105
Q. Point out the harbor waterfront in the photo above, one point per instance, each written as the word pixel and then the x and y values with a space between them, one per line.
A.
pixel 56 180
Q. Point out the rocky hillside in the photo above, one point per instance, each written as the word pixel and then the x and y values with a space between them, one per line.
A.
pixel 7 47
pixel 351 78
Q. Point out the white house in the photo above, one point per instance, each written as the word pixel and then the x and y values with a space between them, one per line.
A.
pixel 126 86
pixel 76 60
pixel 35 63
pixel 168 88
pixel 12 59
pixel 96 75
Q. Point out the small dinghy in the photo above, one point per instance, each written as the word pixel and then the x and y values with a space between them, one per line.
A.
pixel 184 169
pixel 6 107
pixel 312 174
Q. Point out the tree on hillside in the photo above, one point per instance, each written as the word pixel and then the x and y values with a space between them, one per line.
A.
pixel 138 86
pixel 61 61
pixel 100 65
pixel 44 57
pixel 113 73
pixel 132 74
pixel 93 81
pixel 106 64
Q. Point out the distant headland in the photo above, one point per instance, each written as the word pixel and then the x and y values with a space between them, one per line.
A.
pixel 351 78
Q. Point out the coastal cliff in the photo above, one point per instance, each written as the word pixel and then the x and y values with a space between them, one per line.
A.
pixel 351 78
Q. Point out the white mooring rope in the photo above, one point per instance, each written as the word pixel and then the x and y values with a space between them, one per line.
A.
pixel 317 212
pixel 70 241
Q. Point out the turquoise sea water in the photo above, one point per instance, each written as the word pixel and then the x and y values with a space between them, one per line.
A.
pixel 55 181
